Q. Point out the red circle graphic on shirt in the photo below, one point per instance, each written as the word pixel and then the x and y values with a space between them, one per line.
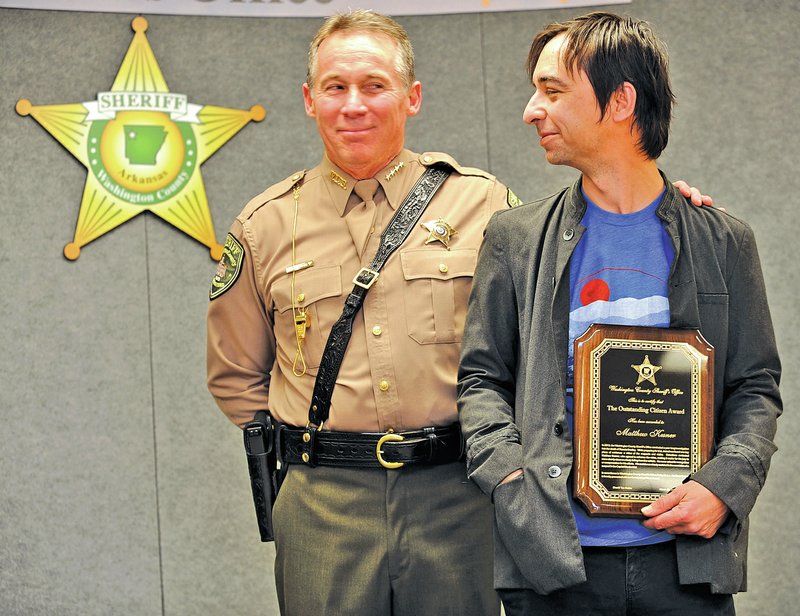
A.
pixel 594 291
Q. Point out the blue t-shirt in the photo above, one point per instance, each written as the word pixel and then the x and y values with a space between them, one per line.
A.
pixel 618 275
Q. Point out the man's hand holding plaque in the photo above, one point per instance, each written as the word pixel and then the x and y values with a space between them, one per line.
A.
pixel 690 509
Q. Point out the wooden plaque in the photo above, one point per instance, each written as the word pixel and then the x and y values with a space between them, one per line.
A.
pixel 644 414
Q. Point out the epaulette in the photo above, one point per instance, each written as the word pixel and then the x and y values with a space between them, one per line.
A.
pixel 273 192
pixel 431 158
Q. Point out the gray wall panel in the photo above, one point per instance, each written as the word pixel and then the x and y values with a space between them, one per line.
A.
pixel 154 515
pixel 207 523
pixel 449 65
pixel 516 157
pixel 79 529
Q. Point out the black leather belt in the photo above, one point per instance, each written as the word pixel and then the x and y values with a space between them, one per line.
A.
pixel 370 449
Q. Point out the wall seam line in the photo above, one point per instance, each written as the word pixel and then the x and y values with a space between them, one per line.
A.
pixel 153 411
pixel 484 73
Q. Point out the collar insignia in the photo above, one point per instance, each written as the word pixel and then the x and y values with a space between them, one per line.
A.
pixel 338 180
pixel 440 231
pixel 394 170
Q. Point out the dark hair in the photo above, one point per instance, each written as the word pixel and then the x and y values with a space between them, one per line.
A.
pixel 611 50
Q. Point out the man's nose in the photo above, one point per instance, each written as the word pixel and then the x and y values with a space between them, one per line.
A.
pixel 533 110
pixel 355 101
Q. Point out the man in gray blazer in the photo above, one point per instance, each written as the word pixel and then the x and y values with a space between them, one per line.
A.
pixel 620 246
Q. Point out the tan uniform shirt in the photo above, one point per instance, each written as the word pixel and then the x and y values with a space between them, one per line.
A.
pixel 399 370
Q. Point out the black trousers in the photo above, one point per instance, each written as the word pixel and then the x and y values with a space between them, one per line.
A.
pixel 638 581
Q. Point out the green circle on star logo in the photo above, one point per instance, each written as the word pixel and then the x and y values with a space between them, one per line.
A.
pixel 142 157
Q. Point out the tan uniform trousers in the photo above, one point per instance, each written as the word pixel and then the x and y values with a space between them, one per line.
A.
pixel 410 542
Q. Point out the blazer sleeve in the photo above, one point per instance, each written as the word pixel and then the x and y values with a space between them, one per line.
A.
pixel 751 402
pixel 490 350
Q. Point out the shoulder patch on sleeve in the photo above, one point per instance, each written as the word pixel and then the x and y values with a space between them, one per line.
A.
pixel 229 268
pixel 512 199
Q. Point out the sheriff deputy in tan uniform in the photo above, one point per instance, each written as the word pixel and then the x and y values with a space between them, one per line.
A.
pixel 356 537
pixel 375 514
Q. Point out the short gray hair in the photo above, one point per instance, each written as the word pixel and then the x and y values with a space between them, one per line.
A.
pixel 363 20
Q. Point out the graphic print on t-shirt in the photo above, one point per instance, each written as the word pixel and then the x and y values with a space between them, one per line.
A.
pixel 619 272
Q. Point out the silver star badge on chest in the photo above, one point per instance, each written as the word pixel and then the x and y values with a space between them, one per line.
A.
pixel 440 231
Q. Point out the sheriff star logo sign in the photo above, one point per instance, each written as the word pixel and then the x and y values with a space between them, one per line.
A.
pixel 142 146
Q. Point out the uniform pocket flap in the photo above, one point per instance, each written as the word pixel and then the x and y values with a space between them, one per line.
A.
pixel 438 264
pixel 313 284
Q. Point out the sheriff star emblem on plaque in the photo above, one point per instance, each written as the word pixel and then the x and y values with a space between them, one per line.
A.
pixel 142 146
pixel 646 370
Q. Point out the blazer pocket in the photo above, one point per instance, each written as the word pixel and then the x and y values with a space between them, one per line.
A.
pixel 713 310
pixel 516 527
pixel 437 288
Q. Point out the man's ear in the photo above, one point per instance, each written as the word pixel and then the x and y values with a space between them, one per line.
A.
pixel 414 98
pixel 622 104
pixel 308 101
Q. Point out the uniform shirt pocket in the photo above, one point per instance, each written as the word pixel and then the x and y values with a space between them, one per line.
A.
pixel 318 290
pixel 437 288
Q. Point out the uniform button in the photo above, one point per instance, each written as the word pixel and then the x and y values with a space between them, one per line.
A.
pixel 443 268
pixel 568 234
pixel 377 331
pixel 558 429
pixel 296 176
pixel 383 385
pixel 305 457
pixel 427 158
pixel 301 297
pixel 554 471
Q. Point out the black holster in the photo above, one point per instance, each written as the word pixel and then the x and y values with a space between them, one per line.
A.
pixel 262 462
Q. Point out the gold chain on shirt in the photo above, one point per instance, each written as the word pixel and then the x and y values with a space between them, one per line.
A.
pixel 301 318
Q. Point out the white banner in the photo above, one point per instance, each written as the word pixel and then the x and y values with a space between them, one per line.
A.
pixel 298 8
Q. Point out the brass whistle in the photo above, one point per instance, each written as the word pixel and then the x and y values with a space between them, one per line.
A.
pixel 302 321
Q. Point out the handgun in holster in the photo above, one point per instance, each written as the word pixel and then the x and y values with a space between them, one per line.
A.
pixel 262 462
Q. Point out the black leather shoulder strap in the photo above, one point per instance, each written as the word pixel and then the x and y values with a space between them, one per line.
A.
pixel 396 232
